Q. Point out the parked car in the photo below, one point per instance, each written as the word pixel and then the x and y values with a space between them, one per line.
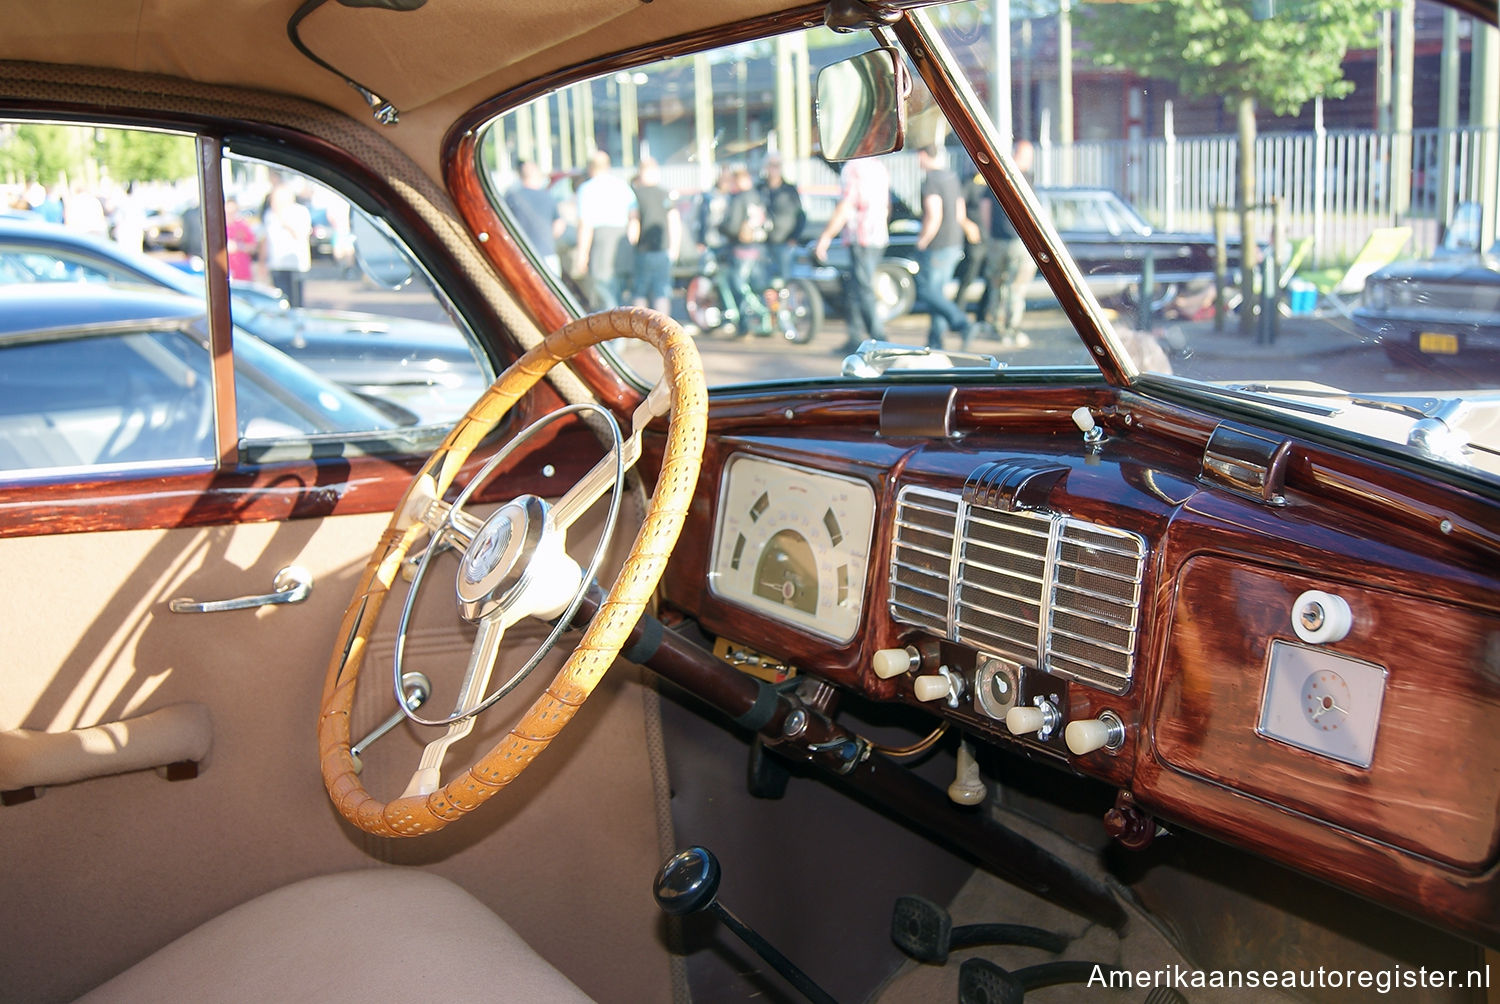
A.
pixel 1107 237
pixel 138 384
pixel 409 365
pixel 1190 670
pixel 1445 311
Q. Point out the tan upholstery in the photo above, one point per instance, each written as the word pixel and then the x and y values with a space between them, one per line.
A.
pixel 377 934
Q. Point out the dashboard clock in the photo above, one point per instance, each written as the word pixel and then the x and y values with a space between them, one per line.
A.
pixel 793 543
pixel 1322 702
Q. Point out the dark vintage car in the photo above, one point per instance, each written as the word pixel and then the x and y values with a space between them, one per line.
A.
pixel 1442 312
pixel 1178 676
pixel 414 368
pixel 1110 242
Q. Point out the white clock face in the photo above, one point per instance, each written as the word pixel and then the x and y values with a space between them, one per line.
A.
pixel 1322 702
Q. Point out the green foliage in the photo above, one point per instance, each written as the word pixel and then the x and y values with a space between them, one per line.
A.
pixel 39 152
pixel 49 153
pixel 1217 48
pixel 145 156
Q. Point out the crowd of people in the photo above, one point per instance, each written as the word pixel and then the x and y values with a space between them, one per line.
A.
pixel 629 235
pixel 272 242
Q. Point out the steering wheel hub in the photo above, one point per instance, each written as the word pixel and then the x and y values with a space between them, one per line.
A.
pixel 496 565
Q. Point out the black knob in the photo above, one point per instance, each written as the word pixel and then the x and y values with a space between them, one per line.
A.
pixel 688 881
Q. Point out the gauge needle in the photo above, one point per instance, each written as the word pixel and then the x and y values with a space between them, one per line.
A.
pixel 1324 706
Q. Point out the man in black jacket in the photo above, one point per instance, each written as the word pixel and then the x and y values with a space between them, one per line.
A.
pixel 786 215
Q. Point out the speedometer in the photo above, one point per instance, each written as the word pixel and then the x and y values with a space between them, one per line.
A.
pixel 793 543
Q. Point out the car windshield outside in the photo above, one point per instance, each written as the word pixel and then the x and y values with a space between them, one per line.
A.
pixel 1361 166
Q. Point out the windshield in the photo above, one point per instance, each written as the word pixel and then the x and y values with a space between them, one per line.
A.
pixel 1277 206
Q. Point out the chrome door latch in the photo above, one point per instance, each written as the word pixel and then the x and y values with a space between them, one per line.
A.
pixel 292 584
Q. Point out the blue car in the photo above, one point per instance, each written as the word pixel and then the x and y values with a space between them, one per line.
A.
pixel 418 371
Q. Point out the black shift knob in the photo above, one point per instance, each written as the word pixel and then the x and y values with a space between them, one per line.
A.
pixel 687 882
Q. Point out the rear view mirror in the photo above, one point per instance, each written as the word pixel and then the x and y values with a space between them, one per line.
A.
pixel 382 262
pixel 862 105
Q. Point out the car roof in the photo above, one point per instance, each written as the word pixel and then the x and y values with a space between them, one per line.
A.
pixel 41 233
pixel 67 306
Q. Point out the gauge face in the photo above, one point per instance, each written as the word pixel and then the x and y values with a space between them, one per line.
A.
pixel 794 544
pixel 1325 700
pixel 1322 702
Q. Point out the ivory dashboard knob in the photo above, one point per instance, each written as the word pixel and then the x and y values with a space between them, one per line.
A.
pixel 1090 734
pixel 1024 721
pixel 930 688
pixel 1320 618
pixel 889 662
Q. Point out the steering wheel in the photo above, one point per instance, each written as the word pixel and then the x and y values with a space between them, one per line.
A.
pixel 508 571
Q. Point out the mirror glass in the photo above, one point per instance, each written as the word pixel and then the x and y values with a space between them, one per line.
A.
pixel 861 111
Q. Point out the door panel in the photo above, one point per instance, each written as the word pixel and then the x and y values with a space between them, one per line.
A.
pixel 123 864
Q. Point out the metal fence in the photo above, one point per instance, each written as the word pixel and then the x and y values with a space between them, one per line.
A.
pixel 1334 185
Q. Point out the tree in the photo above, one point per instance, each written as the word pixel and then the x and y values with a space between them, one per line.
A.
pixel 132 155
pixel 1248 52
pixel 42 153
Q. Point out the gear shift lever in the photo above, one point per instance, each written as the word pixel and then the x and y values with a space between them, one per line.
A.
pixel 688 882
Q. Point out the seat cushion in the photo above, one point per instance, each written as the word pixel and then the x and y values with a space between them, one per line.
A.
pixel 376 934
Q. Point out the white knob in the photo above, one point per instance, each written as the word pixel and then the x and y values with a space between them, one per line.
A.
pixel 1022 721
pixel 889 662
pixel 1084 419
pixel 1320 618
pixel 1090 734
pixel 967 788
pixel 930 688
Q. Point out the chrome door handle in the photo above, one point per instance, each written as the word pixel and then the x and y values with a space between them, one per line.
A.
pixel 292 584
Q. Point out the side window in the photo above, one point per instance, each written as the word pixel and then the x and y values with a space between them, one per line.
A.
pixel 104 356
pixel 104 340
pixel 314 278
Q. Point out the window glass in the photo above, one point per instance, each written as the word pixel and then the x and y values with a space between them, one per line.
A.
pixel 316 278
pixel 1346 157
pixel 103 333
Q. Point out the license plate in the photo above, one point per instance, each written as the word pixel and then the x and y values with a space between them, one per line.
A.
pixel 1438 344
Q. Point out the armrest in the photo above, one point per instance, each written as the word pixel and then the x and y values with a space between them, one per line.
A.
pixel 167 736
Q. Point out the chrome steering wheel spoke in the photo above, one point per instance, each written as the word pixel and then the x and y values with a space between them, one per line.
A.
pixel 513 565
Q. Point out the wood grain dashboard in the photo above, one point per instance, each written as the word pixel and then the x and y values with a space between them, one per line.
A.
pixel 1418 828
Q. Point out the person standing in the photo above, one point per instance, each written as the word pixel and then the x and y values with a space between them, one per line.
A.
pixel 240 240
pixel 657 236
pixel 787 217
pixel 863 215
pixel 606 207
pixel 1009 267
pixel 940 245
pixel 745 227
pixel 288 235
pixel 537 214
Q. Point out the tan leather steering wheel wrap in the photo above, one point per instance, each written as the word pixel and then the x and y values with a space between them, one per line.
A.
pixel 601 642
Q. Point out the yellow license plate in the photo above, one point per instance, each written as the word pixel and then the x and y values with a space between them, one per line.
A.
pixel 1437 344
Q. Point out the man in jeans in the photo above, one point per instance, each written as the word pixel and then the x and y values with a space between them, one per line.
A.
pixel 1009 267
pixel 863 214
pixel 940 245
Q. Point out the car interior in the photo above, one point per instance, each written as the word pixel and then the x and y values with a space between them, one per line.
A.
pixel 617 661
